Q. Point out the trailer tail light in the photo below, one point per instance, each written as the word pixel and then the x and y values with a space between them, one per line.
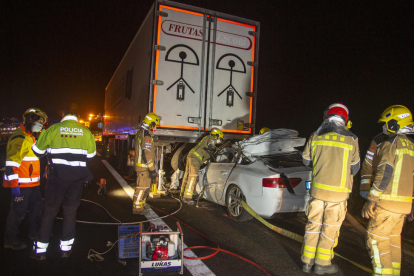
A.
pixel 279 183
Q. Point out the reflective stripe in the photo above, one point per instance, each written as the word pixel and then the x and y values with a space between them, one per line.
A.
pixel 310 248
pixel 324 251
pixel 145 166
pixel 397 271
pixel 30 158
pixel 29 180
pixel 11 177
pixel 345 172
pixel 376 193
pixel 41 247
pixel 66 245
pixel 376 256
pixel 396 265
pixel 69 163
pixel 37 150
pixel 12 164
pixel 323 257
pixel 333 144
pixel 90 155
pixel 196 154
pixel 330 188
pixel 67 150
pixel 396 198
pixel 309 255
pixel 366 181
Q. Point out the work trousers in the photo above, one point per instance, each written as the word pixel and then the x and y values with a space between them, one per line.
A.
pixel 190 177
pixel 142 190
pixel 322 230
pixel 384 241
pixel 31 202
pixel 60 193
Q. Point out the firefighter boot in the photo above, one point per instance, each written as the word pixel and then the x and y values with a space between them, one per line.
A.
pixel 189 201
pixel 325 269
pixel 306 268
pixel 39 251
pixel 16 245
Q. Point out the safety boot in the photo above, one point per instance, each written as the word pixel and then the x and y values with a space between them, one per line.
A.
pixel 16 245
pixel 189 201
pixel 306 268
pixel 325 269
pixel 65 254
pixel 38 256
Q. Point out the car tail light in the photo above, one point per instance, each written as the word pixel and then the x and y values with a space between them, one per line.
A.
pixel 279 183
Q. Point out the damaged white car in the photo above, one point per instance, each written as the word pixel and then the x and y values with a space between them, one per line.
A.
pixel 266 171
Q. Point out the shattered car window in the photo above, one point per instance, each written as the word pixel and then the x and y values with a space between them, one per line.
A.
pixel 291 159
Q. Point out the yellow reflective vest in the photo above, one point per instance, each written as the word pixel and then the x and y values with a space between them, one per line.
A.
pixel 393 183
pixel 332 156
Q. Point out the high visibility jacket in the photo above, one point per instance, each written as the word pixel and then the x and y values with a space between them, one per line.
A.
pixel 68 145
pixel 393 182
pixel 199 152
pixel 332 156
pixel 144 151
pixel 22 165
pixel 370 163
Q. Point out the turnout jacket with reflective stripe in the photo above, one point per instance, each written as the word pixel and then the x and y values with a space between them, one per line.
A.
pixel 370 163
pixel 22 165
pixel 68 145
pixel 199 152
pixel 144 151
pixel 393 182
pixel 332 156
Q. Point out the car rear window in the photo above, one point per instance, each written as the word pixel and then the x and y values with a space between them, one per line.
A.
pixel 285 160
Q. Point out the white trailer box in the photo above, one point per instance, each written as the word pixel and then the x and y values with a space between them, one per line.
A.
pixel 196 68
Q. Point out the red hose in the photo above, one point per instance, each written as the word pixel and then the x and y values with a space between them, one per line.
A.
pixel 209 247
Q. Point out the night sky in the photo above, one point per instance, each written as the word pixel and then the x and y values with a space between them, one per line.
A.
pixel 312 53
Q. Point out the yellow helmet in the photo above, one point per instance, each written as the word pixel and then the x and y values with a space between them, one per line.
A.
pixel 152 120
pixel 217 134
pixel 396 117
pixel 36 111
pixel 263 130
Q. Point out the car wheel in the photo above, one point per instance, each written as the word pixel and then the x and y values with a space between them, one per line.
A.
pixel 234 206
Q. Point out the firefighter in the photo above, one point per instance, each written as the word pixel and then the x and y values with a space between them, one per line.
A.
pixel 145 162
pixel 22 175
pixel 333 154
pixel 195 158
pixel 390 197
pixel 69 146
pixel 263 130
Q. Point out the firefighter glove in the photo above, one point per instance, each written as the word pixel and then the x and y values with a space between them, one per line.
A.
pixel 153 175
pixel 368 209
pixel 15 191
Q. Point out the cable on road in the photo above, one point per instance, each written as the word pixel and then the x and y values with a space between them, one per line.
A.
pixel 292 235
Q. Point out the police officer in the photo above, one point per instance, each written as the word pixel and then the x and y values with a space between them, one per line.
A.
pixel 390 197
pixel 333 153
pixel 68 145
pixel 22 176
pixel 195 158
pixel 145 161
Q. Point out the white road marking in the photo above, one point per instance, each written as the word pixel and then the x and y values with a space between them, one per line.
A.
pixel 195 267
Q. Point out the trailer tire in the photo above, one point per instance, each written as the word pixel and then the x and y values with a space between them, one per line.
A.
pixel 177 161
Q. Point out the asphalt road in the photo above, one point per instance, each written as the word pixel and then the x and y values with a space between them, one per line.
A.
pixel 252 240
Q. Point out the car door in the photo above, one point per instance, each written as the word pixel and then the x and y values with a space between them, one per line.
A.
pixel 217 174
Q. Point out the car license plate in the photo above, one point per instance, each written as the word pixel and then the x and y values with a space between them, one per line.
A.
pixel 308 185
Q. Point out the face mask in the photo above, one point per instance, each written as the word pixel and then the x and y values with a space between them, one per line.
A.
pixel 37 127
pixel 384 129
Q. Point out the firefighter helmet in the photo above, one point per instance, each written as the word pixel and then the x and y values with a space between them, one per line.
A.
pixel 263 130
pixel 338 109
pixel 152 120
pixel 36 111
pixel 396 117
pixel 217 134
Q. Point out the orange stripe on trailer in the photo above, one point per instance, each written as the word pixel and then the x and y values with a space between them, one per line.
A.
pixel 236 131
pixel 252 81
pixel 156 64
pixel 182 127
pixel 236 23
pixel 180 10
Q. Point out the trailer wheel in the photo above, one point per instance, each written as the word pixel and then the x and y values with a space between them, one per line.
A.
pixel 177 159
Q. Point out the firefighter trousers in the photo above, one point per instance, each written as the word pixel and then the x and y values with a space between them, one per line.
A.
pixel 384 241
pixel 142 190
pixel 322 230
pixel 190 177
